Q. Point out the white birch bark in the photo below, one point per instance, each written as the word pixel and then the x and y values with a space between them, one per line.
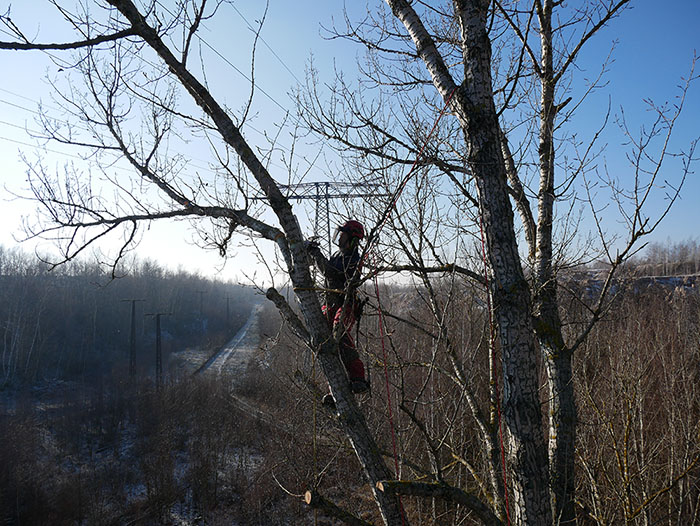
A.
pixel 474 107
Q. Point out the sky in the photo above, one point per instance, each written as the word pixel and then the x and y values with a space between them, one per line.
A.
pixel 654 49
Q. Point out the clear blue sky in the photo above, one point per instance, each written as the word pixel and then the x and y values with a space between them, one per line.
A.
pixel 655 47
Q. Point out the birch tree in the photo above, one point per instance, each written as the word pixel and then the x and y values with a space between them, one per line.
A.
pixel 455 54
pixel 506 72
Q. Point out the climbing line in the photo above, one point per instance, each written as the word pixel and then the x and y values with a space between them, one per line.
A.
pixel 315 424
pixel 371 245
pixel 492 344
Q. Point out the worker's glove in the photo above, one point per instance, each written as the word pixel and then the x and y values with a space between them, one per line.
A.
pixel 311 245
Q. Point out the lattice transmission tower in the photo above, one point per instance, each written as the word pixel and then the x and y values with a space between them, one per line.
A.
pixel 322 192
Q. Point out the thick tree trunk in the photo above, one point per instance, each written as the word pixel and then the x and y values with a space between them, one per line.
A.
pixel 474 106
pixel 529 488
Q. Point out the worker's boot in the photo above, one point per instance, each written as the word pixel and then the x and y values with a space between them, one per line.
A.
pixel 356 371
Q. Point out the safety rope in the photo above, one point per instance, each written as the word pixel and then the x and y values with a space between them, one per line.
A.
pixel 370 249
pixel 315 425
pixel 492 344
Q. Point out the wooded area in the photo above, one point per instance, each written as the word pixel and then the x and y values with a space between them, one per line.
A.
pixel 74 323
pixel 668 259
pixel 193 452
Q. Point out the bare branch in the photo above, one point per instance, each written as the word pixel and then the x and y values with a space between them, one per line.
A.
pixel 289 315
pixel 442 491
pixel 29 46
pixel 316 501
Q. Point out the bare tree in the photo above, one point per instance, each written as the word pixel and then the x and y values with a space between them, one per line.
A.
pixel 482 61
pixel 506 72
pixel 638 459
pixel 128 113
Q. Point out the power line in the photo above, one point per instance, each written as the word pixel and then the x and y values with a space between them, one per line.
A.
pixel 68 123
pixel 12 125
pixel 201 39
pixel 72 125
pixel 266 44
pixel 19 107
pixel 15 141
pixel 227 61
pixel 20 96
pixel 221 56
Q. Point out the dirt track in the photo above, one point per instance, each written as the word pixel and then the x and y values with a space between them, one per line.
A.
pixel 233 358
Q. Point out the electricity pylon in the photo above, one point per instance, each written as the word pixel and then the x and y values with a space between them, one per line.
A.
pixel 132 339
pixel 159 350
pixel 322 192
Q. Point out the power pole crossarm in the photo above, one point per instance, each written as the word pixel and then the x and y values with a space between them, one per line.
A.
pixel 322 192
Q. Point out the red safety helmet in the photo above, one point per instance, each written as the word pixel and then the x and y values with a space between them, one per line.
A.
pixel 353 228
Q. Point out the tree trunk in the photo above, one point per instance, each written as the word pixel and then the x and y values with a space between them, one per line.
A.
pixel 562 407
pixel 474 106
pixel 562 416
pixel 529 488
pixel 357 431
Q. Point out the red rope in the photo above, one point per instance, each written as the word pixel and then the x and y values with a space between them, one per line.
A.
pixel 492 342
pixel 369 249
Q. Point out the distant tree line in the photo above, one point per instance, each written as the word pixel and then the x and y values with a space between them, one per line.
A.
pixel 679 258
pixel 73 322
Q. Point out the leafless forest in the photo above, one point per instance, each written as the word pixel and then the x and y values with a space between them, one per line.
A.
pixel 92 447
pixel 74 322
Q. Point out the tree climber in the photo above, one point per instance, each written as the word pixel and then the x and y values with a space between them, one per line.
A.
pixel 338 271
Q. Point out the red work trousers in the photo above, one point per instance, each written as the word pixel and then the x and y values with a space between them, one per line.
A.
pixel 348 353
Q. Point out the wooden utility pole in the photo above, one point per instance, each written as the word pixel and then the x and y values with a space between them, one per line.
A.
pixel 132 339
pixel 159 350
pixel 201 309
pixel 201 300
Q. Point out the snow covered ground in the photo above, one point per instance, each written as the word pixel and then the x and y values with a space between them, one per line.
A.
pixel 233 358
pixel 126 441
